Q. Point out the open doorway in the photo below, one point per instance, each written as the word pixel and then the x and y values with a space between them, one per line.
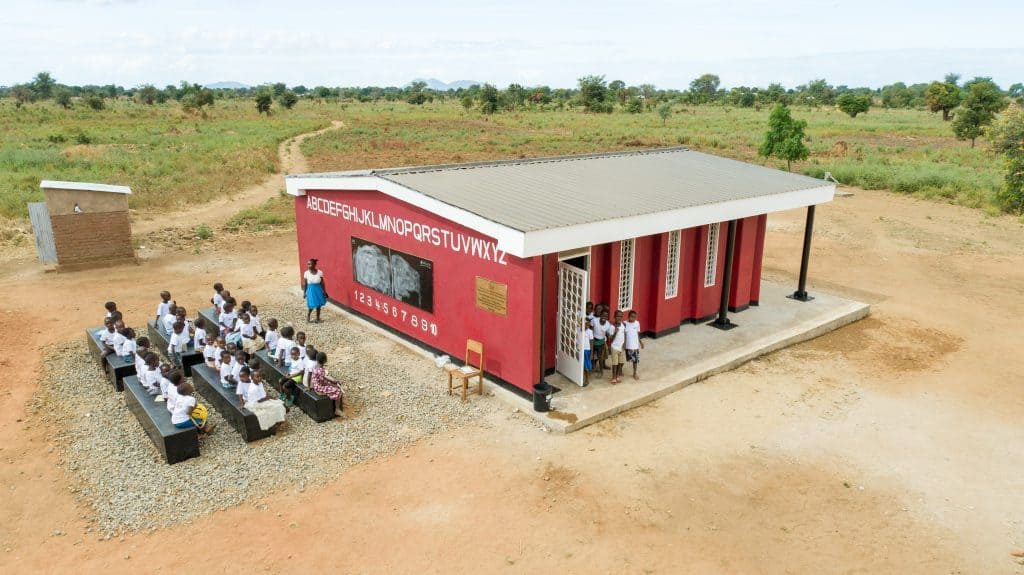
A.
pixel 573 289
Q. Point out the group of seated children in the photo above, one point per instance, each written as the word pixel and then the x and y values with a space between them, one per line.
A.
pixel 115 338
pixel 603 341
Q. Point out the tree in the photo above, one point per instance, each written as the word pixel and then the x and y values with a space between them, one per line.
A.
pixel 853 104
pixel 943 96
pixel 897 95
pixel 146 94
pixel 982 101
pixel 593 94
pixel 197 99
pixel 1016 91
pixel 664 111
pixel 288 100
pixel 704 88
pixel 278 88
pixel 21 94
pixel 95 102
pixel 816 93
pixel 263 101
pixel 415 94
pixel 634 105
pixel 618 89
pixel 488 99
pixel 62 96
pixel 43 85
pixel 784 138
pixel 1008 139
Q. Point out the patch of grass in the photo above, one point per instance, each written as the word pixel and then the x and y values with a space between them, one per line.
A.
pixel 276 212
pixel 168 157
pixel 906 151
pixel 203 232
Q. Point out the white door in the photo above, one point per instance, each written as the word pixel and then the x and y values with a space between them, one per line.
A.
pixel 572 299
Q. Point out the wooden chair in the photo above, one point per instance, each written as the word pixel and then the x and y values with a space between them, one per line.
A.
pixel 467 372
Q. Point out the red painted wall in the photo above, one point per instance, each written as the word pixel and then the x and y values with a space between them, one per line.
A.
pixel 508 341
pixel 743 262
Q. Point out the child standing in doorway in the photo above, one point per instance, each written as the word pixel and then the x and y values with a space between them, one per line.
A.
pixel 616 352
pixel 586 346
pixel 633 343
pixel 598 328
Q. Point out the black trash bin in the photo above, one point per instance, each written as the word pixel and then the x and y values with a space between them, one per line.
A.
pixel 542 397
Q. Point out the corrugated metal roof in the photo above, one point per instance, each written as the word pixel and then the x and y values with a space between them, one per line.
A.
pixel 547 193
pixel 84 186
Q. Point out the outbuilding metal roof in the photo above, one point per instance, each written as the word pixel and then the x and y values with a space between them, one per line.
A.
pixel 84 186
pixel 542 205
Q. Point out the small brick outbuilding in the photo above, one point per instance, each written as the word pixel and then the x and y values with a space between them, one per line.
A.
pixel 90 224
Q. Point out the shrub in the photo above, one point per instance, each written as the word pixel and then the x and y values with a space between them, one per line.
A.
pixel 95 102
pixel 203 232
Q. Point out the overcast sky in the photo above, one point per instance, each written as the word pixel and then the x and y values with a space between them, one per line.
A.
pixel 380 42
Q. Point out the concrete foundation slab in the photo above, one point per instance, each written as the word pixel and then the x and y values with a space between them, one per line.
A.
pixel 696 352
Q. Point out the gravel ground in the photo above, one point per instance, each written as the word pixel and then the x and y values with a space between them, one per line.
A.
pixel 393 398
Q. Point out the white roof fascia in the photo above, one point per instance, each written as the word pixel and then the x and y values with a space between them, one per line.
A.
pixel 509 240
pixel 594 233
pixel 84 186
pixel 529 244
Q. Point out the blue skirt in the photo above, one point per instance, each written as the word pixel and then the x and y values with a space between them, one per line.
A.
pixel 315 296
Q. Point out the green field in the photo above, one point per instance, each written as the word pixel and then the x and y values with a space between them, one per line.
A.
pixel 171 158
pixel 168 157
pixel 907 151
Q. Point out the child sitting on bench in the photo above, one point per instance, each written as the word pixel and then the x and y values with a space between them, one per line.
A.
pixel 129 346
pixel 269 412
pixel 227 320
pixel 212 349
pixel 107 337
pixel 177 343
pixel 224 368
pixel 141 351
pixel 296 366
pixel 244 382
pixel 284 344
pixel 151 380
pixel 324 385
pixel 199 335
pixel 271 337
pixel 289 392
pixel 182 416
pixel 175 378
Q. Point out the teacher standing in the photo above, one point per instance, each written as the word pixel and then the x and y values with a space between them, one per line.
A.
pixel 315 289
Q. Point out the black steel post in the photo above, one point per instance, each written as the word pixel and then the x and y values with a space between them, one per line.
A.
pixel 722 321
pixel 801 289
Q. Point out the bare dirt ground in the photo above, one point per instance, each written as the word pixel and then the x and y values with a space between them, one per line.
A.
pixel 890 446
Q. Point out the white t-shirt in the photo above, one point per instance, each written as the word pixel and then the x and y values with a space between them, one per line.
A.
pixel 163 308
pixel 168 322
pixel 236 368
pixel 129 347
pixel 302 351
pixel 227 320
pixel 271 339
pixel 118 343
pixel 313 278
pixel 247 329
pixel 632 329
pixel 200 336
pixel 107 337
pixel 218 300
pixel 140 368
pixel 256 323
pixel 152 378
pixel 609 330
pixel 284 348
pixel 598 329
pixel 296 367
pixel 177 342
pixel 583 340
pixel 618 339
pixel 243 388
pixel 210 352
pixel 172 397
pixel 164 384
pixel 183 408
pixel 225 371
pixel 254 393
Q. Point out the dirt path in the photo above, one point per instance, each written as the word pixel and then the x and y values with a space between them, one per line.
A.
pixel 890 446
pixel 219 211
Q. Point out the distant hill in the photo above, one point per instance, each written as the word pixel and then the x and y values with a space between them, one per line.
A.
pixel 435 84
pixel 226 86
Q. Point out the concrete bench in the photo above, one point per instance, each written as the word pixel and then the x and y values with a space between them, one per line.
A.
pixel 173 444
pixel 115 368
pixel 209 315
pixel 159 340
pixel 318 407
pixel 207 383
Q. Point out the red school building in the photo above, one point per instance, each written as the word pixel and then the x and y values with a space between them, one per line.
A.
pixel 507 253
